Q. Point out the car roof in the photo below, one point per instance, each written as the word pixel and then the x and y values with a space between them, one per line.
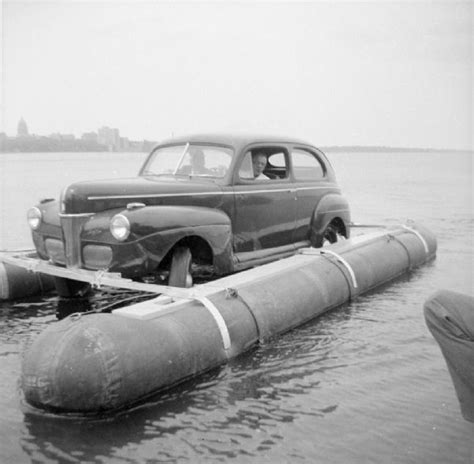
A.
pixel 234 139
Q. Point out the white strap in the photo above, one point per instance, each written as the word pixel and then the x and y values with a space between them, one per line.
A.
pixel 4 290
pixel 209 305
pixel 423 241
pixel 344 262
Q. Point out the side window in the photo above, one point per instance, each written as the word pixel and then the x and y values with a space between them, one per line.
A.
pixel 263 164
pixel 246 169
pixel 306 166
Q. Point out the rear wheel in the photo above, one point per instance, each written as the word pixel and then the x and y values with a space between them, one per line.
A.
pixel 180 270
pixel 67 288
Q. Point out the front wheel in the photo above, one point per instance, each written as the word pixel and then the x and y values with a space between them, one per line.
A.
pixel 180 270
pixel 67 288
pixel 331 235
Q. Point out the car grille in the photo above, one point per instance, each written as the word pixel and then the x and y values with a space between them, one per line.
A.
pixel 55 250
pixel 71 225
pixel 97 256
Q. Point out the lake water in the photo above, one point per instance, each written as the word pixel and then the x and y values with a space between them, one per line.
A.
pixel 365 383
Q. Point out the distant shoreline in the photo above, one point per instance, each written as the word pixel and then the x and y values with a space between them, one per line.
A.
pixel 65 152
pixel 392 149
pixel 332 149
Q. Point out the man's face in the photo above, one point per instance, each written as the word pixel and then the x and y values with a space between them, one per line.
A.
pixel 259 162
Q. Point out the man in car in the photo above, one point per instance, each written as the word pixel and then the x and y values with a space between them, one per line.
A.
pixel 259 162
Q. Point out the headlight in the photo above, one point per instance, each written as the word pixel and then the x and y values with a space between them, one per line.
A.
pixel 120 227
pixel 34 217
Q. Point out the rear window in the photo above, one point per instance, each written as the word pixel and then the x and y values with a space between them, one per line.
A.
pixel 306 166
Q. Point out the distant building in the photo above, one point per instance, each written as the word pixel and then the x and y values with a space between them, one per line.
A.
pixel 22 129
pixel 109 137
pixel 105 139
pixel 58 136
pixel 89 137
pixel 124 144
pixel 3 140
pixel 135 146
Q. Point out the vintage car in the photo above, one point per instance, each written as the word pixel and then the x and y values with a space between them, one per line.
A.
pixel 201 206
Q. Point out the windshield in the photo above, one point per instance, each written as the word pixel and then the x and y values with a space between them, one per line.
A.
pixel 194 160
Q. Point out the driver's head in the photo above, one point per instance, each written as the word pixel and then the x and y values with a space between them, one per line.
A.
pixel 259 162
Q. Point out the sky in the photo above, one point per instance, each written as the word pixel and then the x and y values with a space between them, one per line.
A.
pixel 332 72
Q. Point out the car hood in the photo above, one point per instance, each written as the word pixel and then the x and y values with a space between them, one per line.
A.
pixel 101 195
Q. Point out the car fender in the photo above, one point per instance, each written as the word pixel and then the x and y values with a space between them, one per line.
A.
pixel 330 207
pixel 158 228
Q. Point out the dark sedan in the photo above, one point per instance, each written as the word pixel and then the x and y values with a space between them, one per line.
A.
pixel 201 206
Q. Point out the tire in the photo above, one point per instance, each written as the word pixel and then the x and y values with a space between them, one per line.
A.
pixel 180 270
pixel 67 288
pixel 331 235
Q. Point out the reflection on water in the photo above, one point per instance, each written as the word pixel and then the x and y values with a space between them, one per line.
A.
pixel 363 383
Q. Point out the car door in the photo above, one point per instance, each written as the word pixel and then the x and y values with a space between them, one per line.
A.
pixel 264 215
pixel 312 183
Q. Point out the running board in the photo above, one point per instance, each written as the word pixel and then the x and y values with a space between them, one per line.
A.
pixel 247 259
